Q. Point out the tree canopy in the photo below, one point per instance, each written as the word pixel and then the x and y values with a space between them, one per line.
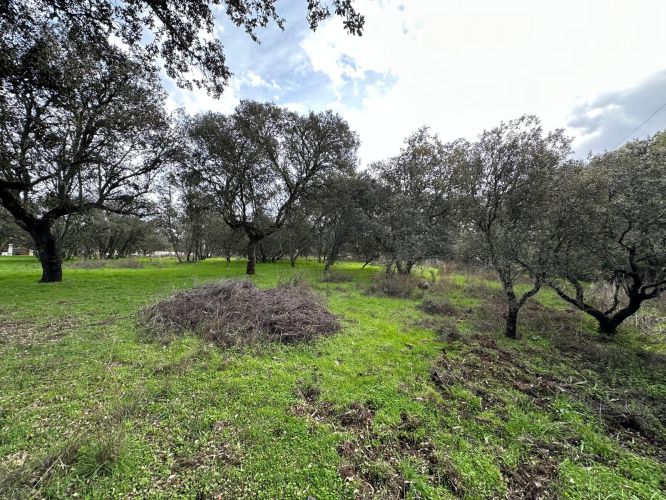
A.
pixel 77 132
pixel 262 160
pixel 168 31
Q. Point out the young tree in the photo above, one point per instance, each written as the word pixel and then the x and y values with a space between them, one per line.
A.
pixel 412 205
pixel 185 209
pixel 610 226
pixel 338 216
pixel 297 235
pixel 261 161
pixel 77 132
pixel 221 239
pixel 504 181
pixel 167 31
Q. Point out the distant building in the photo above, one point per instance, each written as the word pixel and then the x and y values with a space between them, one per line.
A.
pixel 13 250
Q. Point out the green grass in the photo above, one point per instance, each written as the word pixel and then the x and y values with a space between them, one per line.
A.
pixel 90 405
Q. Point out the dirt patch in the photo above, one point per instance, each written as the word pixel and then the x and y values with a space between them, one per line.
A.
pixel 371 459
pixel 357 416
pixel 237 313
pixel 25 332
pixel 592 377
pixel 531 480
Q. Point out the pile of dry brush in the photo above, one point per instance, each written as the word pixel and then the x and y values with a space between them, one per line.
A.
pixel 235 313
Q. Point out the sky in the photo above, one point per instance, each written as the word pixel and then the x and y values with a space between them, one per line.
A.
pixel 593 67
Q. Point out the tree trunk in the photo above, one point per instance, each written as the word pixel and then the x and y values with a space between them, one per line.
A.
pixel 251 257
pixel 512 322
pixel 608 325
pixel 513 305
pixel 329 260
pixel 49 255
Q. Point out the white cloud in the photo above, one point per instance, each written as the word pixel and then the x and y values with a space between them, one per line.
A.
pixel 198 100
pixel 255 80
pixel 462 66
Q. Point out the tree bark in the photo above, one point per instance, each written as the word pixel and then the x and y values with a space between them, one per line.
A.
pixel 512 322
pixel 608 325
pixel 251 257
pixel 48 252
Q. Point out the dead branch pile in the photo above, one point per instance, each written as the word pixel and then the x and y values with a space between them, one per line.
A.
pixel 237 313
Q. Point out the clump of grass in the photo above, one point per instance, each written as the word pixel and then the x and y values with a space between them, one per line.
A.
pixel 127 264
pixel 307 390
pixel 87 264
pixel 19 481
pixel 334 276
pixel 394 285
pixel 448 331
pixel 103 456
pixel 104 263
pixel 237 313
pixel 441 307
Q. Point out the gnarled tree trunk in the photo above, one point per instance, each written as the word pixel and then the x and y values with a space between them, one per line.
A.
pixel 514 303
pixel 48 252
pixel 608 321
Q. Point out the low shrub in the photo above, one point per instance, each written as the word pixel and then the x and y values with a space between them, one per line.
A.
pixel 127 264
pixel 102 263
pixel 87 264
pixel 394 285
pixel 336 277
pixel 440 307
pixel 237 313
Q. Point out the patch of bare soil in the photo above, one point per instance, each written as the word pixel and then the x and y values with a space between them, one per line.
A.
pixel 237 313
pixel 591 373
pixel 25 332
pixel 530 480
pixel 370 459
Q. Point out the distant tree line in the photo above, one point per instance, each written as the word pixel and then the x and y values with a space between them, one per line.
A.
pixel 92 165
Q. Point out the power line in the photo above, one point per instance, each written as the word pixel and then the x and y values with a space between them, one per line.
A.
pixel 641 125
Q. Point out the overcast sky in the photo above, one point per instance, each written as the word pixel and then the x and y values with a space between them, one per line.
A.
pixel 594 67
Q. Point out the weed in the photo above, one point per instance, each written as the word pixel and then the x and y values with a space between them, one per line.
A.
pixel 394 285
pixel 442 307
pixel 336 276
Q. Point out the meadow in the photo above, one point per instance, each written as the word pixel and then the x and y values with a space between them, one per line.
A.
pixel 416 397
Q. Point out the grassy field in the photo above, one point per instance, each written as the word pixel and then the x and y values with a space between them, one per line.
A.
pixel 406 401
